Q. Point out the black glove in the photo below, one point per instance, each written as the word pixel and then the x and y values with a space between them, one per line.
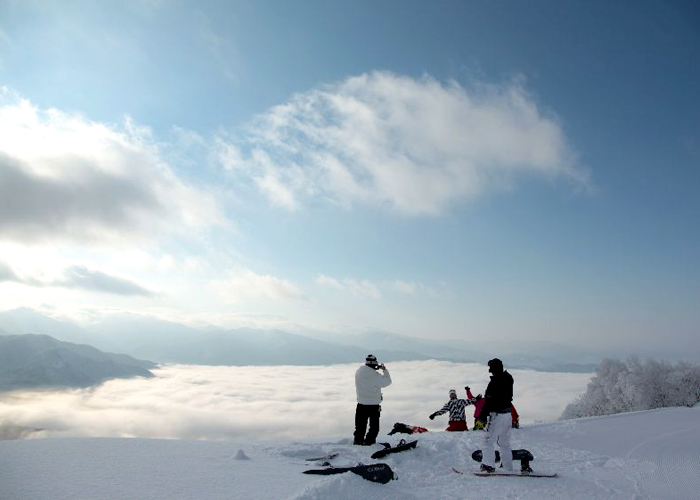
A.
pixel 432 416
pixel 467 388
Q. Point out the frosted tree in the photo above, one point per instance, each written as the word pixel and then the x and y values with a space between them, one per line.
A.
pixel 634 385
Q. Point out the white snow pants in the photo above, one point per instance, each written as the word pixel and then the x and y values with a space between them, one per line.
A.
pixel 498 432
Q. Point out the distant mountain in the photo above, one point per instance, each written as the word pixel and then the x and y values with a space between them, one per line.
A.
pixel 31 361
pixel 170 342
pixel 541 356
pixel 25 320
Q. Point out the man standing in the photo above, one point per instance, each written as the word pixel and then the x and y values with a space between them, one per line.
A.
pixel 498 399
pixel 368 384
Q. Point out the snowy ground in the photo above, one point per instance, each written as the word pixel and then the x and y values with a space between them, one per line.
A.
pixel 645 455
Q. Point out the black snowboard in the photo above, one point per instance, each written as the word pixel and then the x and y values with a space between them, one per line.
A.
pixel 378 473
pixel 402 446
pixel 523 455
pixel 517 455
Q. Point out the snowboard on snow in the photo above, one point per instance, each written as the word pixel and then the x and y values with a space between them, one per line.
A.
pixel 323 458
pixel 515 474
pixel 525 471
pixel 521 455
pixel 378 473
pixel 388 449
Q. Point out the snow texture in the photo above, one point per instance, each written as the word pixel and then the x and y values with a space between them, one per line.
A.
pixel 643 455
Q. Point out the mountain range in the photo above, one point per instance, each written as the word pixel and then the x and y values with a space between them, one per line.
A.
pixel 170 342
pixel 33 361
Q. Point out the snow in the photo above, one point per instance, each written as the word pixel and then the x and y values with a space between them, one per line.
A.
pixel 643 455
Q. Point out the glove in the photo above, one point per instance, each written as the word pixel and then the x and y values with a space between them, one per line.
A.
pixel 432 416
pixel 467 388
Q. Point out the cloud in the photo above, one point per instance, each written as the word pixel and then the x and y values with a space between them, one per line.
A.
pixel 6 273
pixel 357 288
pixel 416 146
pixel 66 178
pixel 406 287
pixel 80 277
pixel 87 279
pixel 245 284
pixel 270 402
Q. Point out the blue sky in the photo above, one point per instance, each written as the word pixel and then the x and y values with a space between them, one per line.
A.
pixel 496 170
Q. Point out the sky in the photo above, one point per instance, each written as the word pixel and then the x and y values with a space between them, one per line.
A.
pixel 460 169
pixel 287 402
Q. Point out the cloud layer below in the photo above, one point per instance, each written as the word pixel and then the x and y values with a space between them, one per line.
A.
pixel 415 146
pixel 262 403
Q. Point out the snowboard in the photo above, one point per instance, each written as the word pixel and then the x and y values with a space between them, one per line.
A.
pixel 402 446
pixel 515 474
pixel 521 455
pixel 323 458
pixel 378 473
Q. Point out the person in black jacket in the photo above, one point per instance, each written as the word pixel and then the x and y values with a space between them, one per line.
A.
pixel 496 414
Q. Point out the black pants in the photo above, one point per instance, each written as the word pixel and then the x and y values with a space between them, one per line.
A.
pixel 363 413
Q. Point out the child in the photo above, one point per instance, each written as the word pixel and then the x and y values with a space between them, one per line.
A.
pixel 458 419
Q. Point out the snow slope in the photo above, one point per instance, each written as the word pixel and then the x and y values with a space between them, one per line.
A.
pixel 644 455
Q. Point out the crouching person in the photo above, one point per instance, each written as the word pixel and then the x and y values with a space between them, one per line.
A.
pixel 458 418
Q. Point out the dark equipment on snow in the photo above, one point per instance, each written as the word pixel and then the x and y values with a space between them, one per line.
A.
pixel 524 456
pixel 406 429
pixel 403 445
pixel 515 474
pixel 377 473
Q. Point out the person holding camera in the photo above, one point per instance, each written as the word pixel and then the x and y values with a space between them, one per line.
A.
pixel 369 381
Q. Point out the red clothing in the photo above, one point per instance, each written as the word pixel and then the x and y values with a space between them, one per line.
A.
pixel 515 417
pixel 457 425
pixel 478 405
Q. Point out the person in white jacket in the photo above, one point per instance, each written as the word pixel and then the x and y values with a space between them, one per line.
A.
pixel 368 384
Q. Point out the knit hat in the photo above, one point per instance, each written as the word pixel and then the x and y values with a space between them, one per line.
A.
pixel 371 360
pixel 453 393
pixel 496 366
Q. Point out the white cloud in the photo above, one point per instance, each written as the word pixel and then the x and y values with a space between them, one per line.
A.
pixel 77 276
pixel 66 178
pixel 405 287
pixel 414 145
pixel 269 402
pixel 244 284
pixel 90 279
pixel 357 288
pixel 7 273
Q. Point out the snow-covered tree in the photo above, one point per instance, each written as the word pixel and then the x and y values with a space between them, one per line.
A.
pixel 633 385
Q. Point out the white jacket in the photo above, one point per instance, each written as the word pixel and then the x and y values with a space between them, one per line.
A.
pixel 369 383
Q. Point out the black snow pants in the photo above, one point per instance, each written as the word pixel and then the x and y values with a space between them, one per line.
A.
pixel 363 413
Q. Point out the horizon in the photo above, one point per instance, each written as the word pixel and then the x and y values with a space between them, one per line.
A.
pixel 530 174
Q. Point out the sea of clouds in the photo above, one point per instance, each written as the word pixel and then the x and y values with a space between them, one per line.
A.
pixel 269 402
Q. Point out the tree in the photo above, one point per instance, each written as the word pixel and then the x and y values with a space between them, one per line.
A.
pixel 634 385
